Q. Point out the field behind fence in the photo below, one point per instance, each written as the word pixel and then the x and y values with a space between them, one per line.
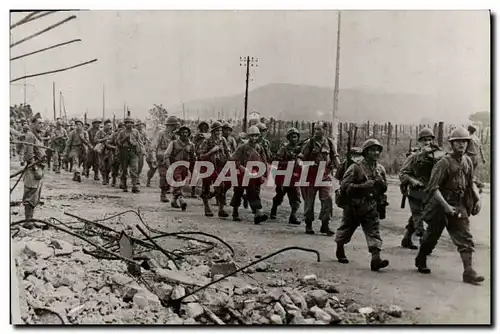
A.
pixel 395 138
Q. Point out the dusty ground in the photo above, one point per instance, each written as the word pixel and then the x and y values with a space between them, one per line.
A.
pixel 435 299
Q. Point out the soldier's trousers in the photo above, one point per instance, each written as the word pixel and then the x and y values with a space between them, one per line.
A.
pixel 220 191
pixel 151 171
pixel 92 161
pixel 49 154
pixel 291 192
pixel 458 229
pixel 253 197
pixel 141 163
pixel 180 174
pixel 129 162
pixel 77 156
pixel 162 170
pixel 105 163
pixel 325 197
pixel 115 164
pixel 369 222
pixel 57 157
pixel 416 200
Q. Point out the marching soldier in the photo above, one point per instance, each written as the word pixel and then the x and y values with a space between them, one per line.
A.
pixel 181 149
pixel 47 133
pixel 226 133
pixel 453 198
pixel 474 151
pixel 198 139
pixel 316 149
pixel 141 127
pixel 414 176
pixel 364 185
pixel 76 148
pixel 20 147
pixel 251 151
pixel 130 146
pixel 104 150
pixel 159 146
pixel 242 139
pixel 33 176
pixel 216 150
pixel 355 154
pixel 92 155
pixel 57 144
pixel 266 145
pixel 112 144
pixel 286 153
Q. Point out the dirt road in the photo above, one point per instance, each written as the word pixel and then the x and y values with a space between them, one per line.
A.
pixel 439 298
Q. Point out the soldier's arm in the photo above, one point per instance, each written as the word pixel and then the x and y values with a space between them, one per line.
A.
pixel 334 154
pixel 304 152
pixel 438 174
pixel 69 142
pixel 349 179
pixel 168 153
pixel 28 149
pixel 406 172
pixel 204 150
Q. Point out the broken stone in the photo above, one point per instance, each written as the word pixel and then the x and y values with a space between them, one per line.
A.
pixel 130 291
pixel 365 310
pixel 272 296
pixel 178 277
pixel 202 270
pixel 297 318
pixel 164 290
pixel 319 314
pixel 291 307
pixel 145 299
pixel 395 311
pixel 335 317
pixel 309 321
pixel 262 267
pixel 327 286
pixel 63 293
pixel 310 279
pixel 190 299
pixel 279 310
pixel 61 247
pixel 66 280
pixel 76 311
pixel 193 244
pixel 276 319
pixel 277 283
pixel 298 299
pixel 38 249
pixel 193 310
pixel 222 269
pixel 317 297
pixel 189 321
pixel 121 279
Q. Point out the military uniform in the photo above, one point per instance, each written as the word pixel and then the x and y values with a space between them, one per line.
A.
pixel 129 145
pixel 46 139
pixel 365 206
pixel 33 177
pixel 92 155
pixel 180 150
pixel 452 178
pixel 218 159
pixel 76 150
pixel 318 150
pixel 197 140
pixel 57 145
pixel 144 150
pixel 105 153
pixel 251 151
pixel 115 160
pixel 287 152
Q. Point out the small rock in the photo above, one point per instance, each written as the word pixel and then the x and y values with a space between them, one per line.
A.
pixel 297 318
pixel 249 270
pixel 202 270
pixel 217 277
pixel 327 286
pixel 310 279
pixel 63 293
pixel 309 321
pixel 171 265
pixel 272 296
pixel 298 299
pixel 164 290
pixel 81 257
pixel 178 292
pixel 279 310
pixel 121 279
pixel 193 310
pixel 130 291
pixel 193 244
pixel 395 311
pixel 335 317
pixel 222 269
pixel 365 310
pixel 317 297
pixel 38 249
pixel 73 313
pixel 319 314
pixel 285 299
pixel 61 247
pixel 178 277
pixel 262 267
pixel 145 299
pixel 291 307
pixel 276 319
pixel 190 299
pixel 277 283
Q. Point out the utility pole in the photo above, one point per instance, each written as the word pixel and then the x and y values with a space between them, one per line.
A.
pixel 337 71
pixel 247 61
pixel 53 98
pixel 103 104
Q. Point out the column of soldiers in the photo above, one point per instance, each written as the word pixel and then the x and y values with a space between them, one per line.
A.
pixel 442 188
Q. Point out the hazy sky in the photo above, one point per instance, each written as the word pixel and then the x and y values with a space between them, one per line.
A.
pixel 167 57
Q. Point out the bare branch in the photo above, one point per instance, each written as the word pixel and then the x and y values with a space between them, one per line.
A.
pixel 24 19
pixel 45 49
pixel 43 31
pixel 54 71
pixel 39 16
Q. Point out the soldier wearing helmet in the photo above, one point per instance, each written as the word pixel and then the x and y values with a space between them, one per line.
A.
pixel 159 146
pixel 112 144
pixel 199 137
pixel 76 149
pixel 474 151
pixel 266 145
pixel 226 133
pixel 364 184
pixel 286 153
pixel 141 128
pixel 319 150
pixel 57 144
pixel 181 149
pixel 46 137
pixel 251 151
pixel 104 151
pixel 216 150
pixel 453 198
pixel 130 146
pixel 92 156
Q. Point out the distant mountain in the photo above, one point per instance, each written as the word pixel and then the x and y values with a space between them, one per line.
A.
pixel 300 102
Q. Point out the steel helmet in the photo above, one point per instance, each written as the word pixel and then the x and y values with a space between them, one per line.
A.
pixel 96 121
pixel 320 125
pixel 369 143
pixel 261 126
pixel 78 121
pixel 227 126
pixel 253 130
pixel 172 120
pixel 128 120
pixel 459 134
pixel 426 132
pixel 355 151
pixel 203 123
pixel 242 135
pixel 292 131
pixel 184 127
pixel 215 126
pixel 471 128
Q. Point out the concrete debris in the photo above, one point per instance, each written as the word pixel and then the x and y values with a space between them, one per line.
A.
pixel 365 310
pixel 395 311
pixel 38 249
pixel 193 310
pixel 61 247
pixel 310 279
pixel 178 292
pixel 276 319
pixel 222 269
pixel 319 314
pixel 317 297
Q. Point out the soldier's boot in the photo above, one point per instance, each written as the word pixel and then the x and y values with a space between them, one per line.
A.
pixel 469 276
pixel 259 217
pixel 245 202
pixel 74 177
pixel 274 210
pixel 340 253
pixel 325 229
pixel 28 214
pixel 96 176
pixel 163 196
pixel 113 181
pixel 123 186
pixel 206 205
pixel 183 204
pixel 309 227
pixel 293 217
pixel 169 190
pixel 406 242
pixel 236 215
pixel 78 177
pixel 377 263
pixel 58 169
pixel 222 213
pixel 193 192
pixel 175 203
pixel 148 182
pixel 135 189
pixel 421 264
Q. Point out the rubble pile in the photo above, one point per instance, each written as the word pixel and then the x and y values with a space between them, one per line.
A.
pixel 59 283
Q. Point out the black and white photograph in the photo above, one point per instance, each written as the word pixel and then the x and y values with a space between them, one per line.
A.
pixel 250 167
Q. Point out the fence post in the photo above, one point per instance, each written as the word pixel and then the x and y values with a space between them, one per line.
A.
pixel 389 135
pixel 440 134
pixel 355 135
pixel 339 141
pixel 396 135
